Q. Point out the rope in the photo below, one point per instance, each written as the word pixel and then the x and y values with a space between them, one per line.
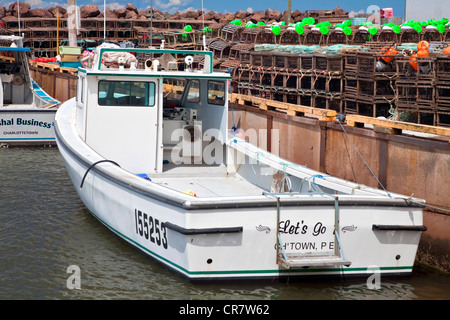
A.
pixel 312 180
pixel 317 76
pixel 362 157
pixel 93 165
pixel 231 103
pixel 447 212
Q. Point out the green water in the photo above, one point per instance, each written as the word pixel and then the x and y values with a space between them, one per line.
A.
pixel 45 229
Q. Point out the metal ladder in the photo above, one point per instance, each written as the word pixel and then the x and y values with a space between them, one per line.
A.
pixel 293 261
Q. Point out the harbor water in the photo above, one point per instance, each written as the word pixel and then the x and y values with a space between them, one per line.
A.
pixel 53 249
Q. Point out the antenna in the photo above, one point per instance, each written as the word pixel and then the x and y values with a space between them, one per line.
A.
pixel 151 24
pixel 204 35
pixel 72 22
pixel 104 19
pixel 203 16
pixel 18 14
pixel 289 12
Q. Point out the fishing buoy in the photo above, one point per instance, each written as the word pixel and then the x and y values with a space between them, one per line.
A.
pixel 423 53
pixel 324 30
pixel 308 21
pixel 420 53
pixel 383 62
pixel 413 61
pixel 347 23
pixel 423 45
pixel 373 31
pixel 388 52
pixel 347 30
pixel 276 30
pixel 299 29
pixel 441 28
pixel 418 28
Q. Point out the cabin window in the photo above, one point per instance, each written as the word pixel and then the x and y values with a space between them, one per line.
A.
pixel 194 91
pixel 173 89
pixel 216 92
pixel 126 93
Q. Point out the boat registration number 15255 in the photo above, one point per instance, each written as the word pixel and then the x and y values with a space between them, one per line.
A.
pixel 150 228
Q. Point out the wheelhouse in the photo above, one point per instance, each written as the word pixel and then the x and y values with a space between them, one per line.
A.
pixel 153 115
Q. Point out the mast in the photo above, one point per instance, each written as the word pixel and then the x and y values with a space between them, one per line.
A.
pixel 289 12
pixel 104 20
pixel 18 14
pixel 151 24
pixel 71 22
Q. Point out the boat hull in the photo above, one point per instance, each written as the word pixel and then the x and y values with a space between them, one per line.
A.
pixel 237 239
pixel 34 126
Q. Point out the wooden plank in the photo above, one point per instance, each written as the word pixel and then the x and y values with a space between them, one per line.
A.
pixel 50 66
pixel 395 127
pixel 10 59
pixel 72 71
pixel 292 109
pixel 263 105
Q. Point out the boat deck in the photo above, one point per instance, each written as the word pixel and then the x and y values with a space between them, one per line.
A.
pixel 205 181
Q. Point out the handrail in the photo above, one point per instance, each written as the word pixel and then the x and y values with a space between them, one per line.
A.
pixel 208 66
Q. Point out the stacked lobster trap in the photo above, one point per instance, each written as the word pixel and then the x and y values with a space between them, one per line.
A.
pixel 377 79
pixel 369 82
pixel 314 80
pixel 443 90
pixel 416 89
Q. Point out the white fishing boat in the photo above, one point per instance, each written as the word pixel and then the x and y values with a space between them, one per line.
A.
pixel 152 157
pixel 27 113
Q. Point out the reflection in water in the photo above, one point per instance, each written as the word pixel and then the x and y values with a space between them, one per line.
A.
pixel 44 229
pixel 390 291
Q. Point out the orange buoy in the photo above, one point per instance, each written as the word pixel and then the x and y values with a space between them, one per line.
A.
pixel 423 53
pixel 423 45
pixel 413 62
pixel 446 50
pixel 387 52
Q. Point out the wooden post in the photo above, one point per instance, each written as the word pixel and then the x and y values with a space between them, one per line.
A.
pixel 289 12
pixel 71 22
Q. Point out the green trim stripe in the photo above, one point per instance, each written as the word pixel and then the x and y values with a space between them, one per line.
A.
pixel 107 73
